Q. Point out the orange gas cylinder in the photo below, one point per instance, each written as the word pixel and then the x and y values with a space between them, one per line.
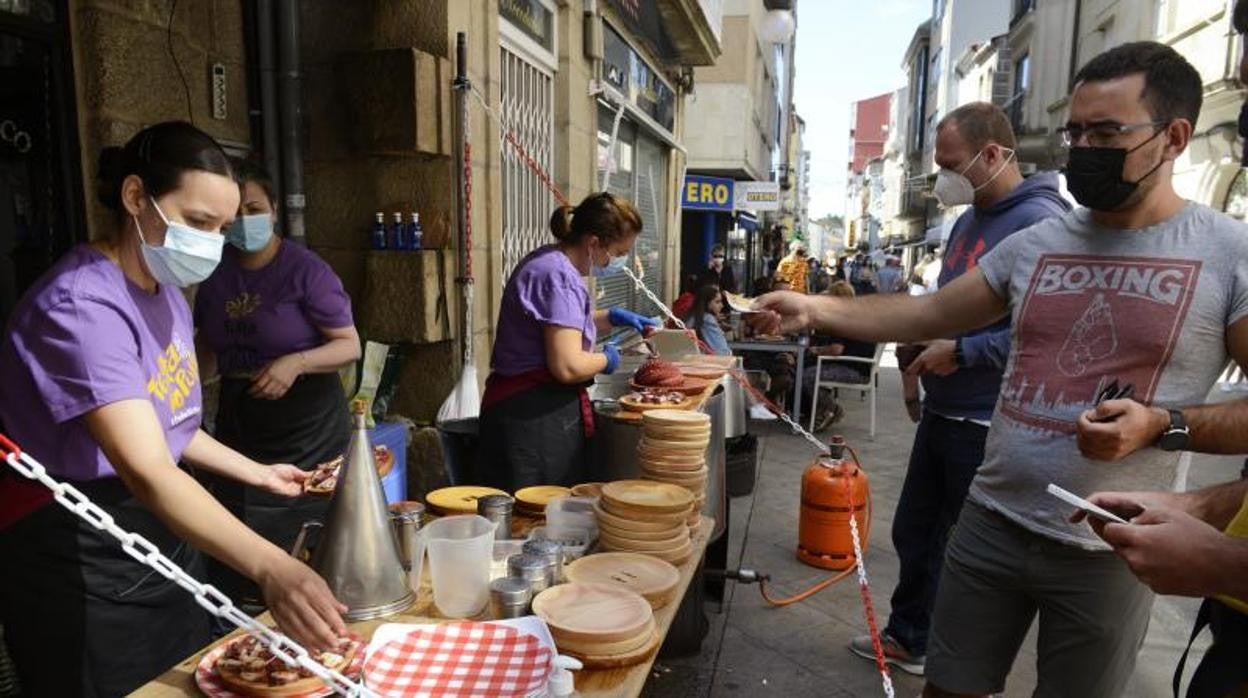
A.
pixel 832 488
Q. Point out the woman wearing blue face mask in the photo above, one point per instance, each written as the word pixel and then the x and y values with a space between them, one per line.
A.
pixel 101 383
pixel 276 324
pixel 535 414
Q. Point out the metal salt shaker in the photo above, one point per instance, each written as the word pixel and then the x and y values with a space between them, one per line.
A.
pixel 509 598
pixel 532 569
pixel 406 518
pixel 549 550
pixel 497 508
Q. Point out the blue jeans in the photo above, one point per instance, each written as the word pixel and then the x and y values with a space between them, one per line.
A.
pixel 943 461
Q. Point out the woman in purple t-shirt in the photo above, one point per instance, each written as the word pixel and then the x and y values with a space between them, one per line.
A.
pixel 535 414
pixel 276 323
pixel 101 383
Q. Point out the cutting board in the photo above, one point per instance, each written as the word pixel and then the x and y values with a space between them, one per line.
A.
pixel 593 613
pixel 458 500
pixel 654 579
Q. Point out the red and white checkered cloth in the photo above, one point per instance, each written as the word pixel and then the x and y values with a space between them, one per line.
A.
pixel 459 660
pixel 212 686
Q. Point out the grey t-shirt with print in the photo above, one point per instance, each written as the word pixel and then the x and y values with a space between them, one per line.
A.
pixel 1147 308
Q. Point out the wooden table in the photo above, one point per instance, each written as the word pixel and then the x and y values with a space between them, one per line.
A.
pixel 613 683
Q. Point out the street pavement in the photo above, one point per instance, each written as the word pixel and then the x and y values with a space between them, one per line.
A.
pixel 753 649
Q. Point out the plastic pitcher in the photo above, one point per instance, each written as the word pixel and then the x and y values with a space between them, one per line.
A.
pixel 460 550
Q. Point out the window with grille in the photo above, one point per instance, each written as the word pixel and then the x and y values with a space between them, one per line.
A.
pixel 638 173
pixel 527 107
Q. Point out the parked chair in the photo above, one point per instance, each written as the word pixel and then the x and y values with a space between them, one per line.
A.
pixel 870 385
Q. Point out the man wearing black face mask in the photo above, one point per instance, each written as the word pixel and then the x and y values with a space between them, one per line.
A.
pixel 1142 294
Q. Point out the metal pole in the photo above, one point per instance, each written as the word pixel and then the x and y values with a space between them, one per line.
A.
pixel 291 99
pixel 267 59
pixel 462 86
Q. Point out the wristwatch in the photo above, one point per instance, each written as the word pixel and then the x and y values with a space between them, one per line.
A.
pixel 959 358
pixel 1176 436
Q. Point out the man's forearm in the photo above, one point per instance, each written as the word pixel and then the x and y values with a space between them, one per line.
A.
pixel 1220 428
pixel 1217 505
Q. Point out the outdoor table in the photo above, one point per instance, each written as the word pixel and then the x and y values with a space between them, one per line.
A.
pixel 626 681
pixel 782 345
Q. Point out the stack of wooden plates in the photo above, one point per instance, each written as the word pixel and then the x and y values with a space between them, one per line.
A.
pixel 673 450
pixel 532 501
pixel 587 489
pixel 644 516
pixel 651 577
pixel 604 625
pixel 450 501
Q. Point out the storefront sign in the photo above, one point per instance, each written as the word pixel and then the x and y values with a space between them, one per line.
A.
pixel 643 19
pixel 757 196
pixel 706 193
pixel 532 18
pixel 629 73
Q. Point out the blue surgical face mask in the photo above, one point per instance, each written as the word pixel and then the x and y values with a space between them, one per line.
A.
pixel 251 233
pixel 614 265
pixel 188 256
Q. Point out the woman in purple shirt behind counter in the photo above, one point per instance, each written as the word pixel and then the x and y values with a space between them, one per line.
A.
pixel 101 384
pixel 276 323
pixel 535 414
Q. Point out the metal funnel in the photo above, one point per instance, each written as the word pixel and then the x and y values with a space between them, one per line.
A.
pixel 356 552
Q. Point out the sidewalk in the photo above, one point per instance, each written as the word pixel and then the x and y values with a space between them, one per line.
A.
pixel 753 649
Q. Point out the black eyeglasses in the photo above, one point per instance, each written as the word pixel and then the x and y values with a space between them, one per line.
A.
pixel 1101 134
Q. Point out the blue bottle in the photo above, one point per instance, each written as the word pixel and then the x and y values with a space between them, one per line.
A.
pixel 398 236
pixel 379 232
pixel 415 234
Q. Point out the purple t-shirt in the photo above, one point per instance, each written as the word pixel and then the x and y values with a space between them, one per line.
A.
pixel 545 289
pixel 251 317
pixel 83 337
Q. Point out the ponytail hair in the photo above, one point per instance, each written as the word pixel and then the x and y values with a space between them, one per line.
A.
pixel 604 215
pixel 159 155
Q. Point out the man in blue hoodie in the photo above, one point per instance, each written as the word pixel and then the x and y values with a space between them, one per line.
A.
pixel 961 376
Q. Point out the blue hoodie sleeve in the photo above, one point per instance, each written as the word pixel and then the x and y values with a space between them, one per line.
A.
pixel 987 350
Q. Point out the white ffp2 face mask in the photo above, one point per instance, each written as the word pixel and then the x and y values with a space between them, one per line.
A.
pixel 188 256
pixel 954 189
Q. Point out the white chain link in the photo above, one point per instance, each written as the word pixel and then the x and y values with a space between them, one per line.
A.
pixel 206 595
pixel 862 582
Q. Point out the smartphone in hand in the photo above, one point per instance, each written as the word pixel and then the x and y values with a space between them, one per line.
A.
pixel 1082 504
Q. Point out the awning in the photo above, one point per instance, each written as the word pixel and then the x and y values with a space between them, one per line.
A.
pixel 747 220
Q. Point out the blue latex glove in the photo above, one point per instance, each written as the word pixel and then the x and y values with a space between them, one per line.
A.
pixel 619 317
pixel 613 357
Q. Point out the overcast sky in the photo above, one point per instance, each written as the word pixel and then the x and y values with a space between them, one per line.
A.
pixel 847 50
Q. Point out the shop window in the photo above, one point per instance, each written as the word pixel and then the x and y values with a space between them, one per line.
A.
pixel 40 186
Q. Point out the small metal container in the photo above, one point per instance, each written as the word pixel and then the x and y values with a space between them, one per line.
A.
pixel 533 569
pixel 406 519
pixel 549 550
pixel 509 598
pixel 497 508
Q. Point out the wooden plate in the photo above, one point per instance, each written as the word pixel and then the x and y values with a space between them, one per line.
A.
pixel 587 489
pixel 653 445
pixel 693 386
pixel 677 556
pixel 665 534
pixel 654 579
pixel 653 453
pixel 667 519
pixel 593 613
pixel 640 525
pixel 458 500
pixel 674 473
pixel 696 369
pixel 606 649
pixel 681 434
pixel 679 539
pixel 536 498
pixel 632 405
pixel 647 496
pixel 676 418
pixel 593 661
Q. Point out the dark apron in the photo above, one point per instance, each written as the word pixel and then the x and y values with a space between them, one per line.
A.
pixel 82 618
pixel 1224 669
pixel 308 425
pixel 533 431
